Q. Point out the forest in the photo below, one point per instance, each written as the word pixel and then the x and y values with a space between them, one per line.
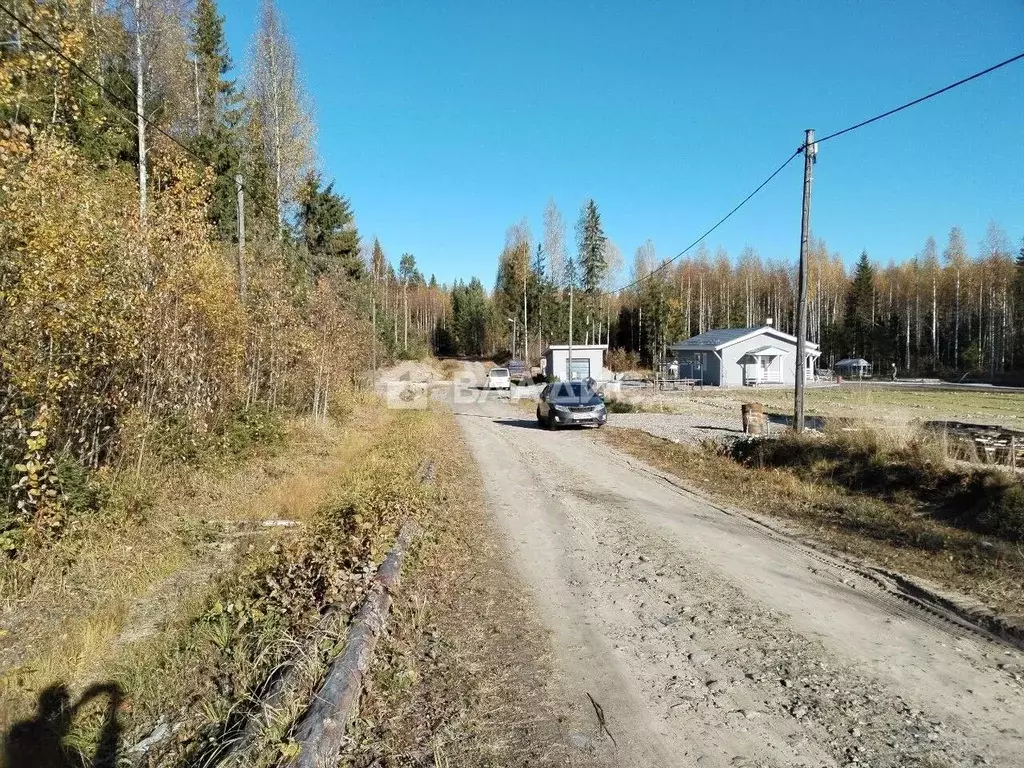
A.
pixel 176 271
pixel 947 310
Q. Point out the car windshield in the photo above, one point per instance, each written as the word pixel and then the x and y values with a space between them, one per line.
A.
pixel 499 372
pixel 576 390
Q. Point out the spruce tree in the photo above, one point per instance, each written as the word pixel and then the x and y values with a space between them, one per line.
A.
pixel 591 248
pixel 327 228
pixel 858 326
pixel 218 113
pixel 592 265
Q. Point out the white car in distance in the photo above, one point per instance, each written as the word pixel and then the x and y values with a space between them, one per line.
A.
pixel 499 378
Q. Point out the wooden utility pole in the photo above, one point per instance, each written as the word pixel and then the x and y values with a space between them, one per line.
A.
pixel 240 208
pixel 810 153
pixel 568 362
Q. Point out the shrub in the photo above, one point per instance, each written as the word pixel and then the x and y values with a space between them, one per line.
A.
pixel 252 427
pixel 999 508
pixel 620 360
pixel 621 406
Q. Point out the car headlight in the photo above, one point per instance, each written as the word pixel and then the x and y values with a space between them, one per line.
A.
pixel 561 408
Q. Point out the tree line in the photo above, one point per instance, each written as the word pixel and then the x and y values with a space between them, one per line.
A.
pixel 151 308
pixel 943 311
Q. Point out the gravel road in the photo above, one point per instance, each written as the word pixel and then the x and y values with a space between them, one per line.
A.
pixel 682 427
pixel 707 639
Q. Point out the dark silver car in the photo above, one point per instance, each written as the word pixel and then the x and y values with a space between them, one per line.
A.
pixel 567 403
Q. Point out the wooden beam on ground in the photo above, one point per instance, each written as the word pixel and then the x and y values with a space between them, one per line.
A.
pixel 320 733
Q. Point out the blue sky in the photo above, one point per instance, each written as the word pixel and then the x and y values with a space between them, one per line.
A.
pixel 445 122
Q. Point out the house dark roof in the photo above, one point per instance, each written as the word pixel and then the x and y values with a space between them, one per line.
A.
pixel 723 337
pixel 716 338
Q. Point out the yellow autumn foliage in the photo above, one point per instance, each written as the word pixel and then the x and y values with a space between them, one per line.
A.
pixel 109 334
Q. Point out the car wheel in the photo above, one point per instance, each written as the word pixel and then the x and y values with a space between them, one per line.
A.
pixel 551 423
pixel 540 419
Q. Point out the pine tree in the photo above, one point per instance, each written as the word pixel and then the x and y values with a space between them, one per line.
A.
pixel 407 272
pixel 539 299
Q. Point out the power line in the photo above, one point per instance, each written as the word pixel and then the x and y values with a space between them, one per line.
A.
pixel 110 94
pixel 719 223
pixel 931 95
pixel 851 128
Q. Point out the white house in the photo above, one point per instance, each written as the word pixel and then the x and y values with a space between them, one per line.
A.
pixel 587 362
pixel 733 357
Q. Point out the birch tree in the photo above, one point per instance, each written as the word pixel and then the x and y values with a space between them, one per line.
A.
pixel 282 107
pixel 956 258
pixel 554 242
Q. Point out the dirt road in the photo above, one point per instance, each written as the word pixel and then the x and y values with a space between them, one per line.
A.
pixel 707 639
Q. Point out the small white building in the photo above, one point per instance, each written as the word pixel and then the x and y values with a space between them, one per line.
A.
pixel 587 362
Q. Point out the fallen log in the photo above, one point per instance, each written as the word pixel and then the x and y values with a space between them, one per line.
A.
pixel 278 691
pixel 320 733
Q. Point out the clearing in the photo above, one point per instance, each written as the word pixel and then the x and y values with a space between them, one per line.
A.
pixel 709 413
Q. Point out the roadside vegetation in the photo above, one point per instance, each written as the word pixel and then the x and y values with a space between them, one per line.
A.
pixel 900 471
pixel 189 614
pixel 126 574
pixel 895 501
pixel 165 391
pixel 271 608
pixel 463 675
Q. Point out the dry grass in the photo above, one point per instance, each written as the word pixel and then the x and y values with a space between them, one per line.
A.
pixel 270 609
pixel 898 531
pixel 462 677
pixel 449 368
pixel 907 469
pixel 70 611
pixel 879 404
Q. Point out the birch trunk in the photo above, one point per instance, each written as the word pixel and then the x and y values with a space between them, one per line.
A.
pixel 140 109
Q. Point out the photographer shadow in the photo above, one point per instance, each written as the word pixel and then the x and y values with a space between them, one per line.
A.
pixel 39 741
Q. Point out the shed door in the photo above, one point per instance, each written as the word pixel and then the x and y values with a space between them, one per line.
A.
pixel 579 369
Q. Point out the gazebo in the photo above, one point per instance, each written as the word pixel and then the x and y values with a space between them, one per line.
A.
pixel 853 368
